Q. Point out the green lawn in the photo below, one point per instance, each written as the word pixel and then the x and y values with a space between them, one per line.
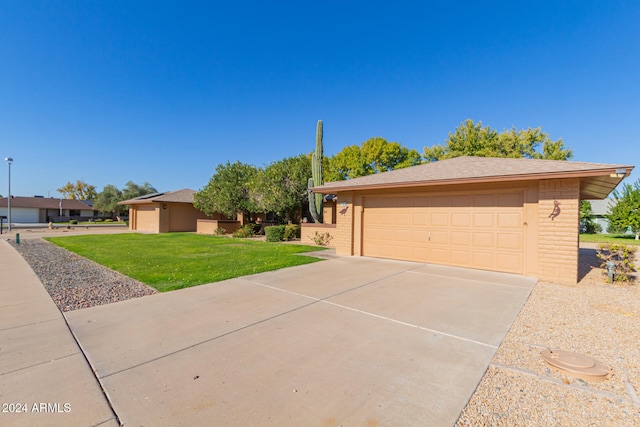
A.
pixel 625 239
pixel 180 260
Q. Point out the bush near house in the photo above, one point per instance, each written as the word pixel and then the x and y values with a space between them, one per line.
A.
pixel 247 230
pixel 622 256
pixel 279 233
pixel 292 231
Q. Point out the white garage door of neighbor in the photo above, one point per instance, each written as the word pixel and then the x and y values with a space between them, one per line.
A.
pixel 482 231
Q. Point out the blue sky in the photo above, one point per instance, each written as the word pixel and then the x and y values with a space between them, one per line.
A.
pixel 157 91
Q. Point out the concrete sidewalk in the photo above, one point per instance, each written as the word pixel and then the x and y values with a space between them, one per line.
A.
pixel 44 377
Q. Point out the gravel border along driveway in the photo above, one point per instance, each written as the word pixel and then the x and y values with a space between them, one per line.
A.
pixel 591 318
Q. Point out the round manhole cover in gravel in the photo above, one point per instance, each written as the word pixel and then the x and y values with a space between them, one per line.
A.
pixel 577 365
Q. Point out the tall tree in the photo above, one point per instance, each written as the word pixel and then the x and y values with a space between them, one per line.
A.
pixel 472 139
pixel 372 156
pixel 78 191
pixel 107 200
pixel 282 186
pixel 626 213
pixel 132 190
pixel 230 190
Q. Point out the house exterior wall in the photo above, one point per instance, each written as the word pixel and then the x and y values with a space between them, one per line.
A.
pixel 550 242
pixel 183 217
pixel 144 218
pixel 558 236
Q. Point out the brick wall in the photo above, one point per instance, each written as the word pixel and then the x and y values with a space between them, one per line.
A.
pixel 308 232
pixel 343 238
pixel 558 216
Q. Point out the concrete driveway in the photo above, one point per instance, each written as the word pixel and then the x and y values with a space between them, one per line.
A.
pixel 347 341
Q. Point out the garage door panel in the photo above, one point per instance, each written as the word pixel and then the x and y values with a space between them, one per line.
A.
pixel 439 219
pixel 484 259
pixel 460 238
pixel 419 218
pixel 509 241
pixel 439 237
pixel 484 219
pixel 460 257
pixel 469 230
pixel 460 219
pixel 509 262
pixel 439 255
pixel 483 239
pixel 509 219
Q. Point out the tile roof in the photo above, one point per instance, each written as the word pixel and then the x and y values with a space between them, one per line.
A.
pixel 44 203
pixel 179 196
pixel 467 169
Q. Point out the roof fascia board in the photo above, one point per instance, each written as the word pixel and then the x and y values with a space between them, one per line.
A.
pixel 498 178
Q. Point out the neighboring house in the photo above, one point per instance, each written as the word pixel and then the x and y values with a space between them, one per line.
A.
pixel 164 212
pixel 600 209
pixel 44 210
pixel 511 215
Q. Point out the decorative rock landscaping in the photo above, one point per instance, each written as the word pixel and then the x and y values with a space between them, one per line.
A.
pixel 75 282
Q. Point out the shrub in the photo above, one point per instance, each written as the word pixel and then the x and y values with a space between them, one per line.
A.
pixel 622 256
pixel 274 233
pixel 98 220
pixel 219 231
pixel 73 221
pixel 321 239
pixel 246 230
pixel 291 231
pixel 108 220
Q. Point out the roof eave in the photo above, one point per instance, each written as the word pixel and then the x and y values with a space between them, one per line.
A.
pixel 325 189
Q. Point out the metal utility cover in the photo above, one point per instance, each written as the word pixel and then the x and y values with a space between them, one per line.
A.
pixel 577 365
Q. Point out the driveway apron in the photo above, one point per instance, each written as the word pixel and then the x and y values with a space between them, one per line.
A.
pixel 346 341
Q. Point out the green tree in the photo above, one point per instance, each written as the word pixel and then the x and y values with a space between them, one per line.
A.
pixel 626 213
pixel 132 190
pixel 587 221
pixel 78 191
pixel 230 190
pixel 107 201
pixel 372 156
pixel 472 139
pixel 282 186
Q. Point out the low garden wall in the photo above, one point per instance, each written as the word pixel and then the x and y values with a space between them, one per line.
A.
pixel 308 232
pixel 209 226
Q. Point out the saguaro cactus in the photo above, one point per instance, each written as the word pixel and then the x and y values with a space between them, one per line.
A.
pixel 316 200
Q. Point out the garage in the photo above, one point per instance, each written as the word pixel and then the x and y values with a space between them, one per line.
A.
pixel 508 215
pixel 482 230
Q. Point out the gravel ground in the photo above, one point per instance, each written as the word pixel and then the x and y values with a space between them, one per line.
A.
pixel 590 318
pixel 75 282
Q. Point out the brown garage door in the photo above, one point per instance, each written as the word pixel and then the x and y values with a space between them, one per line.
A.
pixel 468 230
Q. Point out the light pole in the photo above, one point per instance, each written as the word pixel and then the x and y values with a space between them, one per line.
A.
pixel 9 160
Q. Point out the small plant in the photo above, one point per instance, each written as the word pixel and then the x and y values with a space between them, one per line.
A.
pixel 245 231
pixel 622 256
pixel 219 231
pixel 291 231
pixel 73 221
pixel 108 220
pixel 274 233
pixel 99 220
pixel 322 239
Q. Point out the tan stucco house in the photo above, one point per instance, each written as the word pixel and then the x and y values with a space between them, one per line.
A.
pixel 511 215
pixel 164 212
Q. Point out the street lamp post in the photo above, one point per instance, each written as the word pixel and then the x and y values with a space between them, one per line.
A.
pixel 9 160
